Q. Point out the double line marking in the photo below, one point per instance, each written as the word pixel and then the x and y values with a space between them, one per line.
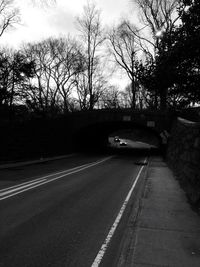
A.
pixel 23 187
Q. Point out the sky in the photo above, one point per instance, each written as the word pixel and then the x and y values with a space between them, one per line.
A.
pixel 39 21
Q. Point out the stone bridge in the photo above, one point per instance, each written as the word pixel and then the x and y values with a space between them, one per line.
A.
pixel 98 124
pixel 54 136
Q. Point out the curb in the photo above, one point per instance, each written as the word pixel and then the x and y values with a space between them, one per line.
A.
pixel 25 163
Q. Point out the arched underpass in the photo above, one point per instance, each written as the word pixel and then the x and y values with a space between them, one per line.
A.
pixel 95 137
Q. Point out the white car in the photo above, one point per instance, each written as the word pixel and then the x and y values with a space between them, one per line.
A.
pixel 122 143
pixel 116 139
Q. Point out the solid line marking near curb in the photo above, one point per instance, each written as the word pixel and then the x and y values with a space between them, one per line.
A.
pixel 106 242
pixel 45 181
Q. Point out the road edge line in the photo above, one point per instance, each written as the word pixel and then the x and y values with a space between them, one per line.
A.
pixel 111 232
pixel 128 240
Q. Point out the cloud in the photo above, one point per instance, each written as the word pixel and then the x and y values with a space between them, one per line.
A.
pixel 38 23
pixel 58 19
pixel 61 21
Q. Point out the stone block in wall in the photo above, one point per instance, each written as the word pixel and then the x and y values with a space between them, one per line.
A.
pixel 195 158
pixel 183 155
pixel 197 142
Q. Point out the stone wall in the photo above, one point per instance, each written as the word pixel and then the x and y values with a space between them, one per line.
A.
pixel 183 155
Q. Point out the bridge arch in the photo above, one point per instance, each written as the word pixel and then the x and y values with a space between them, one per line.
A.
pixel 95 135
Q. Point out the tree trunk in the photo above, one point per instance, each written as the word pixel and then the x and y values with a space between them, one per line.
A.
pixel 156 101
pixel 133 93
pixel 91 102
pixel 163 99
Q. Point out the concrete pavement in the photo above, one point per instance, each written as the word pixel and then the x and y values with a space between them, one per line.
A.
pixel 166 232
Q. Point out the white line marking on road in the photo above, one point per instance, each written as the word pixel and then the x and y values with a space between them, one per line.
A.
pixel 75 170
pixel 106 242
pixel 21 187
pixel 43 177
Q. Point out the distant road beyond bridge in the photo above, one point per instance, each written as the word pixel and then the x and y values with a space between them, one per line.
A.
pixel 94 125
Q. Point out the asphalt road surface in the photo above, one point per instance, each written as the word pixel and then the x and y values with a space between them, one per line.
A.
pixel 59 213
pixel 130 144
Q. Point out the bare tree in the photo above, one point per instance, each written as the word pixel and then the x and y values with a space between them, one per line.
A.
pixel 9 15
pixel 110 98
pixel 43 3
pixel 124 47
pixel 40 92
pixel 89 25
pixel 99 85
pixel 15 72
pixel 57 62
pixel 157 16
pixel 142 96
pixel 67 63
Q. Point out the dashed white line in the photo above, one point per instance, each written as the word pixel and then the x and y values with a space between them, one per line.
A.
pixel 106 242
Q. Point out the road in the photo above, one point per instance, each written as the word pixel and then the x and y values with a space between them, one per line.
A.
pixel 130 144
pixel 59 213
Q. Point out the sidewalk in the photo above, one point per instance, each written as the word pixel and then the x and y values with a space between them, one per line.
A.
pixel 167 230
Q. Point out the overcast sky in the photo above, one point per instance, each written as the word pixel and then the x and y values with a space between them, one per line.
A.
pixel 59 18
pixel 39 22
